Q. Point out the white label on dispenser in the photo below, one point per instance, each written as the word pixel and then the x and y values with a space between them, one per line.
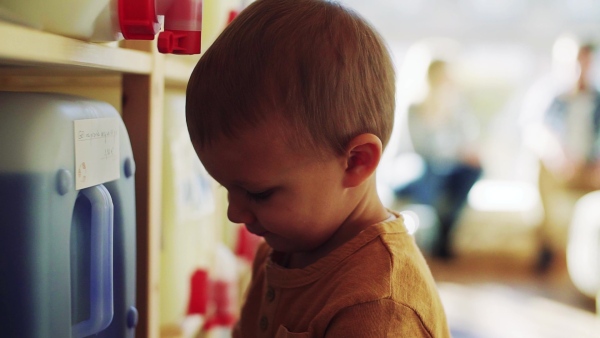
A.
pixel 96 151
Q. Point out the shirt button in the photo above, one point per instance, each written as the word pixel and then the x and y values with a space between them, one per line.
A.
pixel 270 295
pixel 264 323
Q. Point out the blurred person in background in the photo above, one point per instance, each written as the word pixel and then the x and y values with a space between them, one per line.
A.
pixel 443 133
pixel 567 144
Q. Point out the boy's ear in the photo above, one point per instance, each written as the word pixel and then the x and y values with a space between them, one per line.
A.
pixel 362 157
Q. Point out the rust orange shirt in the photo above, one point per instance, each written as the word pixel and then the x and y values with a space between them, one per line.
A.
pixel 376 285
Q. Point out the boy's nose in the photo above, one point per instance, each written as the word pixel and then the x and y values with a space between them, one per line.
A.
pixel 237 212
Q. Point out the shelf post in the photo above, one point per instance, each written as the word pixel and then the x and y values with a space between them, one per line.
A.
pixel 143 100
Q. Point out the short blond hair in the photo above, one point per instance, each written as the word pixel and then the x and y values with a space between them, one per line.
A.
pixel 315 63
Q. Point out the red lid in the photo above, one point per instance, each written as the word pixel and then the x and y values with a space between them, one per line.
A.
pixel 222 302
pixel 183 23
pixel 138 20
pixel 198 293
pixel 179 42
pixel 232 15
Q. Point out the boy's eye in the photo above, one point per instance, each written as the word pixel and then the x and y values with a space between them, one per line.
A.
pixel 259 196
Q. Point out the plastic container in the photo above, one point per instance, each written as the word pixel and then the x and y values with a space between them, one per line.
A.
pixel 111 20
pixel 67 256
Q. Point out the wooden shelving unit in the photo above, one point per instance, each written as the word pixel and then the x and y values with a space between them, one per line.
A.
pixel 30 47
pixel 132 76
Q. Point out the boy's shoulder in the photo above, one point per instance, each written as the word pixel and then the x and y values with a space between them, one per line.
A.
pixel 390 269
pixel 391 254
pixel 389 265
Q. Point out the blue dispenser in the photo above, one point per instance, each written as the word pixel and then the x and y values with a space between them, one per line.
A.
pixel 67 256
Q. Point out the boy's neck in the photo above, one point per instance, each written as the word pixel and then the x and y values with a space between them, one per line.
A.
pixel 368 211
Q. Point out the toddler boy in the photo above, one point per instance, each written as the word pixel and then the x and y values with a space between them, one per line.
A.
pixel 290 110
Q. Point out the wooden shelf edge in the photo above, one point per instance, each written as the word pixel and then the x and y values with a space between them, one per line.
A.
pixel 23 45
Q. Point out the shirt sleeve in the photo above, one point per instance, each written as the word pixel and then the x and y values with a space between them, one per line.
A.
pixel 381 318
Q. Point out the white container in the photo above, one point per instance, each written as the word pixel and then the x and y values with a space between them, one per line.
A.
pixel 88 20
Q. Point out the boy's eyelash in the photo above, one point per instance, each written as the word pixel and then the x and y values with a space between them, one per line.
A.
pixel 260 196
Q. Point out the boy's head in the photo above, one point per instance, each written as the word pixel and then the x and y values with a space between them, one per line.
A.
pixel 313 65
pixel 289 110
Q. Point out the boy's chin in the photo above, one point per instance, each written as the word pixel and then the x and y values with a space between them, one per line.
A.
pixel 276 243
pixel 284 246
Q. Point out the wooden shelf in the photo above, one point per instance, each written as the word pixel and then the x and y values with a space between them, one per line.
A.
pixel 128 75
pixel 133 77
pixel 29 47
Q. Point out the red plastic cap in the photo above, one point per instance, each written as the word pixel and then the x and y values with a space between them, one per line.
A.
pixel 232 15
pixel 138 20
pixel 179 42
pixel 198 293
pixel 223 305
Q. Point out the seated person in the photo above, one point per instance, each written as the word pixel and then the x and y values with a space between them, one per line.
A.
pixel 443 133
